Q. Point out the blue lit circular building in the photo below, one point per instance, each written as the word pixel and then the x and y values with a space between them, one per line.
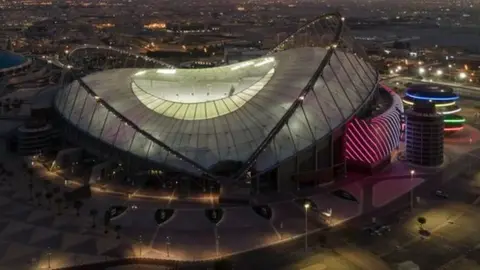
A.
pixel 274 117
pixel 11 63
pixel 444 99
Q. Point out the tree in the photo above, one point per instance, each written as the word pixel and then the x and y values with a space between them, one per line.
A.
pixel 30 187
pixel 59 201
pixel 78 205
pixel 66 198
pixel 421 221
pixel 223 264
pixel 46 184
pixel 38 196
pixel 106 221
pixel 56 190
pixel 117 229
pixel 93 214
pixel 322 239
pixel 30 174
pixel 49 197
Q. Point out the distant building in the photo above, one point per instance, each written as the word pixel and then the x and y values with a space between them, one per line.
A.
pixel 234 54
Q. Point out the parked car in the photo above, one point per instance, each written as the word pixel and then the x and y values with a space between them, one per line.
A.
pixel 377 229
pixel 441 194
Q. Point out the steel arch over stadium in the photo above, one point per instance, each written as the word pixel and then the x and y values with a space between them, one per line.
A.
pixel 86 47
pixel 261 112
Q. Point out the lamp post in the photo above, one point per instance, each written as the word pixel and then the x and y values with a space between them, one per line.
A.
pixel 412 173
pixel 306 206
pixel 470 158
pixel 217 245
pixel 281 230
pixel 49 253
pixel 168 246
pixel 140 246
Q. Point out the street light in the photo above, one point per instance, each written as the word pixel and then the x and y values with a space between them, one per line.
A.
pixel 306 206
pixel 439 72
pixel 168 246
pixel 140 246
pixel 462 75
pixel 217 244
pixel 470 158
pixel 412 172
pixel 49 258
pixel 421 71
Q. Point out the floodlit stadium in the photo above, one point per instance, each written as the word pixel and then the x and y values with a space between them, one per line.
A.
pixel 277 118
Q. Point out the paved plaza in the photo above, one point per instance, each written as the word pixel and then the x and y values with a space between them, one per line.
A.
pixel 35 236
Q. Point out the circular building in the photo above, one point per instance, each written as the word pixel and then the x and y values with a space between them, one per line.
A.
pixel 444 99
pixel 424 135
pixel 11 63
pixel 275 118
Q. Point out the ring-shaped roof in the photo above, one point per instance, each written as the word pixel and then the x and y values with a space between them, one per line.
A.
pixel 177 93
pixel 207 133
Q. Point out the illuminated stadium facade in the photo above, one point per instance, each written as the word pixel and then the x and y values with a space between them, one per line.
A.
pixel 290 117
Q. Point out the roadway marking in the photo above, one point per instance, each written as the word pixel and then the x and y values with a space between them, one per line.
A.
pixel 170 199
pixel 472 155
pixel 275 230
pixel 157 229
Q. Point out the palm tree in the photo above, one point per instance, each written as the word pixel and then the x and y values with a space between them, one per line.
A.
pixel 77 205
pixel 421 221
pixel 30 187
pixel 30 173
pixel 93 214
pixel 106 222
pixel 59 201
pixel 38 196
pixel 56 190
pixel 66 198
pixel 223 264
pixel 117 229
pixel 46 184
pixel 49 197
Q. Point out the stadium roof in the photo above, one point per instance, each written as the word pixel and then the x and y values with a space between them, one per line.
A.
pixel 224 113
pixel 9 59
pixel 199 94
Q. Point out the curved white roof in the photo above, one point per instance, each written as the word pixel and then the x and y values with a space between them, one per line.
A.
pixel 209 121
pixel 183 93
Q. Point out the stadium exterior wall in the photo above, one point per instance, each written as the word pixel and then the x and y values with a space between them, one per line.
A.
pixel 370 142
pixel 317 165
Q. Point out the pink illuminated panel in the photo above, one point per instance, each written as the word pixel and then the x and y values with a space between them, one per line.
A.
pixel 370 141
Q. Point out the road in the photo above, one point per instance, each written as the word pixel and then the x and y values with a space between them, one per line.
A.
pixel 452 224
pixel 466 91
